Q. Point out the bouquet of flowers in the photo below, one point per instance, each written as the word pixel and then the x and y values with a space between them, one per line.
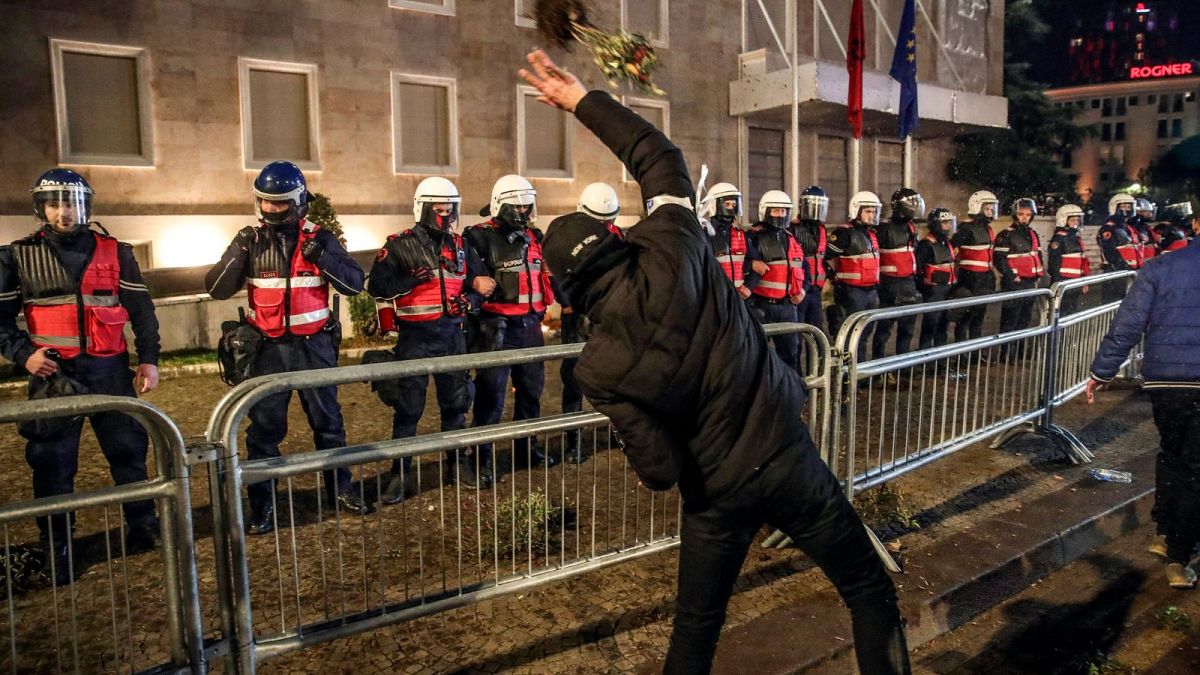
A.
pixel 621 56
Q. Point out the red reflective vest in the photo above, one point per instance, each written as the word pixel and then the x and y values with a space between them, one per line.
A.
pixel 977 257
pixel 522 282
pixel 785 275
pixel 296 304
pixel 54 320
pixel 900 261
pixel 861 269
pixel 816 261
pixel 427 301
pixel 1131 251
pixel 1028 265
pixel 940 271
pixel 733 257
pixel 1176 245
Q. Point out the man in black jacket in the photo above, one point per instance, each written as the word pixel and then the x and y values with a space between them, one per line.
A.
pixel 678 364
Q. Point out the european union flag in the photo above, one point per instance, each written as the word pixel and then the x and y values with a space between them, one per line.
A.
pixel 904 68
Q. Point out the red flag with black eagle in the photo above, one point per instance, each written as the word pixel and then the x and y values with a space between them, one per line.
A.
pixel 856 53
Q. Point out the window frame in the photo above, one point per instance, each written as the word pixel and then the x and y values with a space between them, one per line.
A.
pixel 524 90
pixel 451 86
pixel 141 56
pixel 521 20
pixel 664 13
pixel 662 104
pixel 309 70
pixel 447 7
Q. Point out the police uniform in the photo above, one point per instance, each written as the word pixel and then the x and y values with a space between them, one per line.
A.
pixel 936 276
pixel 1066 259
pixel 1018 259
pixel 897 284
pixel 427 318
pixel 973 245
pixel 772 292
pixel 1143 234
pixel 852 261
pixel 288 298
pixel 1170 237
pixel 78 292
pixel 734 251
pixel 1120 250
pixel 511 318
pixel 814 242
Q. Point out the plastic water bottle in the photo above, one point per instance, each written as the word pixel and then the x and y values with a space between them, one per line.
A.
pixel 1111 475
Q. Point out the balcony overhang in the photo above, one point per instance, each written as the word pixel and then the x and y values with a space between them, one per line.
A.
pixel 767 98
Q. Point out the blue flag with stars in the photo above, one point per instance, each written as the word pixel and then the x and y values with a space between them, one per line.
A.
pixel 904 69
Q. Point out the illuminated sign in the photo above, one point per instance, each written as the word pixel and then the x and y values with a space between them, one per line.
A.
pixel 1169 70
pixel 1142 8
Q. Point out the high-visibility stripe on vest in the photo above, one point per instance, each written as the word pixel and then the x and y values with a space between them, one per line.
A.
pixel 861 269
pixel 427 301
pixel 897 262
pixel 1131 251
pixel 1027 265
pixel 975 257
pixel 1073 266
pixel 939 273
pixel 816 260
pixel 533 292
pixel 296 304
pixel 784 277
pixel 57 320
pixel 733 261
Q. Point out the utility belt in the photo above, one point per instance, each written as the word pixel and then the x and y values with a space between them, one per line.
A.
pixel 241 343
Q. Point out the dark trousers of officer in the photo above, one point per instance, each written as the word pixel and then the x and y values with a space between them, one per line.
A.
pixel 935 325
pixel 122 439
pixel 895 292
pixel 978 283
pixel 269 418
pixel 572 395
pixel 851 299
pixel 1070 302
pixel 809 310
pixel 1017 314
pixel 796 493
pixel 517 332
pixel 787 346
pixel 1113 291
pixel 424 340
pixel 1177 474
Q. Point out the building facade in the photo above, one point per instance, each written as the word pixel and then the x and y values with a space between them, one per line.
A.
pixel 170 107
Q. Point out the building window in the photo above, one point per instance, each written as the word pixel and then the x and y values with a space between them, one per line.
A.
pixel 1189 97
pixel 1133 100
pixel 1121 107
pixel 279 113
pixel 424 124
pixel 1095 103
pixel 1119 132
pixel 833 172
pixel 1176 128
pixel 1118 155
pixel 114 79
pixel 889 167
pixel 1150 98
pixel 1177 103
pixel 524 12
pixel 654 111
pixel 1163 103
pixel 647 17
pixel 766 170
pixel 1162 128
pixel 1106 108
pixel 543 138
pixel 1106 132
pixel 444 7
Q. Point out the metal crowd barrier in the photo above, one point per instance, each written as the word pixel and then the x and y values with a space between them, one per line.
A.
pixel 106 619
pixel 447 546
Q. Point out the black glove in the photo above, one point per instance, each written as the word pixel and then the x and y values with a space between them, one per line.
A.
pixel 312 250
pixel 460 306
pixel 422 274
pixel 245 236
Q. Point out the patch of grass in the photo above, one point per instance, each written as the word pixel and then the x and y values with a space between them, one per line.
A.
pixel 520 523
pixel 187 357
pixel 1103 664
pixel 26 567
pixel 1173 618
pixel 884 506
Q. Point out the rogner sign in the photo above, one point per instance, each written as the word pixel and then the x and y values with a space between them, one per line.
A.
pixel 1168 70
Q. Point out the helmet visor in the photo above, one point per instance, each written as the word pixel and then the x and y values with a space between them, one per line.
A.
pixel 63 209
pixel 813 207
pixel 439 215
pixel 911 207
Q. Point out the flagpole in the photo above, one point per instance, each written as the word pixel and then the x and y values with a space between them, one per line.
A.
pixel 791 22
pixel 908 162
pixel 855 163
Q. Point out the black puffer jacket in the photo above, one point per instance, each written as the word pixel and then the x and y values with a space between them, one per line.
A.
pixel 675 358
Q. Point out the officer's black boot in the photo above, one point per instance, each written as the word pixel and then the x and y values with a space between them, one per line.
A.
pixel 262 517
pixel 62 562
pixel 572 453
pixel 401 486
pixel 142 537
pixel 349 501
pixel 463 471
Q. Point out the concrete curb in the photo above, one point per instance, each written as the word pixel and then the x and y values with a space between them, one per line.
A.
pixel 952 580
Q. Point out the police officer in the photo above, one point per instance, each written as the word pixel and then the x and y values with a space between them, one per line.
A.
pixel 287 265
pixel 897 268
pixel 780 289
pixel 809 230
pixel 79 288
pixel 1120 247
pixel 512 313
pixel 1142 224
pixel 852 261
pixel 936 274
pixel 599 203
pixel 1018 259
pixel 1175 229
pixel 720 209
pixel 1065 257
pixel 423 279
pixel 973 243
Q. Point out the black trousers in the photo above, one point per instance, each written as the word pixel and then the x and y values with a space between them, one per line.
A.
pixel 787 346
pixel 429 339
pixel 895 292
pixel 851 299
pixel 269 418
pixel 978 283
pixel 1177 470
pixel 796 493
pixel 935 326
pixel 1017 314
pixel 810 309
pixel 572 395
pixel 122 439
pixel 491 384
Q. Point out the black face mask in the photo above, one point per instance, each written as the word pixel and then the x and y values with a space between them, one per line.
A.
pixel 511 219
pixel 723 220
pixel 777 222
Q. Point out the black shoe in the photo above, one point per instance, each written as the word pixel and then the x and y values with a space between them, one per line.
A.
pixel 262 519
pixel 141 538
pixel 463 473
pixel 539 458
pixel 574 455
pixel 399 489
pixel 350 502
pixel 62 562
